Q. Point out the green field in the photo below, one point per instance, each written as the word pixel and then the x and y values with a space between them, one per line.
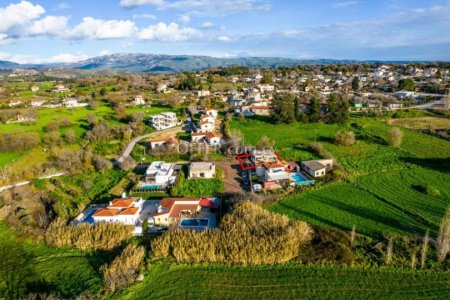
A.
pixel 287 282
pixel 64 272
pixel 386 189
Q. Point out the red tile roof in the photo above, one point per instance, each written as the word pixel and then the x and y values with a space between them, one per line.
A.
pixel 129 211
pixel 178 208
pixel 121 203
pixel 105 212
pixel 211 135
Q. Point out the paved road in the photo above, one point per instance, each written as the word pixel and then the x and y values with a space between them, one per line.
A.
pixel 132 144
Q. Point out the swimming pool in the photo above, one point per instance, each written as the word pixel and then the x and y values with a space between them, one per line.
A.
pixel 150 187
pixel 299 179
pixel 194 223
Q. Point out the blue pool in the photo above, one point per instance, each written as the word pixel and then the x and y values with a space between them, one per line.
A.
pixel 299 179
pixel 194 223
pixel 150 187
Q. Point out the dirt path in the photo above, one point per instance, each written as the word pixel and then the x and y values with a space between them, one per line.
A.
pixel 232 178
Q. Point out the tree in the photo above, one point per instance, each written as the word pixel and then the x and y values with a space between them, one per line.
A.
pixel 93 104
pixel 91 119
pixel 267 78
pixel 70 136
pixel 314 110
pixel 407 84
pixel 345 138
pixel 283 109
pixel 265 143
pixel 395 137
pixel 128 163
pixel 355 83
pixel 123 270
pixel 338 109
pixel 101 164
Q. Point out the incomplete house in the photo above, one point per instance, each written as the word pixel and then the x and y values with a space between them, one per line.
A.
pixel 202 170
pixel 163 120
pixel 317 168
pixel 160 173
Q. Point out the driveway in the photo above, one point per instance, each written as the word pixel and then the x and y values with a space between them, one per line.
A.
pixel 232 180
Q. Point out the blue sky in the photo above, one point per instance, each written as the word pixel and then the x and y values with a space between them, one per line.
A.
pixel 40 31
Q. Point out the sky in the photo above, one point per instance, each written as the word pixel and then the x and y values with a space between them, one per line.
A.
pixel 45 31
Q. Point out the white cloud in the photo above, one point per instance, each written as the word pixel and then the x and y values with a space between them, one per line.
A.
pixel 204 7
pixel 63 5
pixel 104 52
pixel 224 38
pixel 31 59
pixel 92 28
pixel 208 25
pixel 185 18
pixel 345 4
pixel 66 58
pixel 18 15
pixel 126 45
pixel 132 3
pixel 144 16
pixel 50 25
pixel 168 33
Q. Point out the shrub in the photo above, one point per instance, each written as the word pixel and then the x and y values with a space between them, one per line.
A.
pixel 123 270
pixel 395 137
pixel 249 235
pixel 345 138
pixel 103 236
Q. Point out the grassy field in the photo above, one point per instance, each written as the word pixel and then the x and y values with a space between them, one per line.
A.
pixel 65 272
pixel 287 282
pixel 422 123
pixel 386 189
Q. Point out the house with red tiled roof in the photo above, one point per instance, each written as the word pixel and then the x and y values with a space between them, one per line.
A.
pixel 121 210
pixel 172 211
pixel 211 138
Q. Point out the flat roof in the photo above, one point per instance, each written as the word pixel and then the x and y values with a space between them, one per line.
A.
pixel 314 165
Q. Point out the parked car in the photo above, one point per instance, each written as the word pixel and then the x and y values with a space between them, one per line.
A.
pixel 257 187
pixel 245 181
pixel 244 175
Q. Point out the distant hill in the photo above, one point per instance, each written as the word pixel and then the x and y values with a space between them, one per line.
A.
pixel 150 63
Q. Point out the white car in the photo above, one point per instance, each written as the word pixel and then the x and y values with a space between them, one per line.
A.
pixel 257 188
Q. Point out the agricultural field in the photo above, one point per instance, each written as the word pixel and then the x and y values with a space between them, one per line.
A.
pixel 287 282
pixel 422 123
pixel 65 272
pixel 403 190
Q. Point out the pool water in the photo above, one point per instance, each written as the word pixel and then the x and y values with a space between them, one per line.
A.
pixel 194 222
pixel 298 178
pixel 150 187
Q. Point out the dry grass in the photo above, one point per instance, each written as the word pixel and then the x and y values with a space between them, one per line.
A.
pixel 422 123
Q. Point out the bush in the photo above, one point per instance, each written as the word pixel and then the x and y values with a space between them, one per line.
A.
pixel 345 138
pixel 100 236
pixel 249 235
pixel 395 137
pixel 123 270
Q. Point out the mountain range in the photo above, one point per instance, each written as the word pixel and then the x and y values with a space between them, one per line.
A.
pixel 152 63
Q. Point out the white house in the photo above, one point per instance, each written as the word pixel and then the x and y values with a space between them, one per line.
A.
pixel 160 173
pixel 266 88
pixel 72 102
pixel 202 170
pixel 203 93
pixel 211 138
pixel 122 210
pixel 163 120
pixel 37 103
pixel 404 94
pixel 212 112
pixel 139 100
pixel 60 89
pixel 206 126
pixel 14 103
pixel 35 88
pixel 317 168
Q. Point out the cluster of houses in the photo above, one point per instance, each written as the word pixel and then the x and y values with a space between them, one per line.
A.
pixel 274 172
pixel 161 175
pixel 187 213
